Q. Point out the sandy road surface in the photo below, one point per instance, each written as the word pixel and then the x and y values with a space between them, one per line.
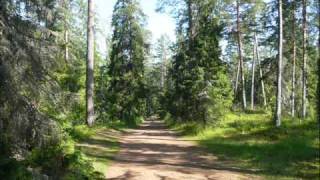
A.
pixel 152 152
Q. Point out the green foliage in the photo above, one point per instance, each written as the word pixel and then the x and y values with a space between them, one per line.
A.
pixel 199 75
pixel 250 142
pixel 221 98
pixel 12 169
pixel 100 148
pixel 81 132
pixel 73 160
pixel 126 70
pixel 79 167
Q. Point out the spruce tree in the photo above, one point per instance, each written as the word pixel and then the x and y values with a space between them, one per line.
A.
pixel 197 69
pixel 126 68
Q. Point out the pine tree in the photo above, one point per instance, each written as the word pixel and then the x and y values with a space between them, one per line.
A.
pixel 304 57
pixel 279 84
pixel 240 54
pixel 90 65
pixel 294 51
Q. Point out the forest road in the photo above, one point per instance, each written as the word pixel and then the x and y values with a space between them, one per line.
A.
pixel 152 152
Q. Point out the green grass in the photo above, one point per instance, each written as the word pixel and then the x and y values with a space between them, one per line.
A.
pixel 100 144
pixel 250 141
pixel 100 147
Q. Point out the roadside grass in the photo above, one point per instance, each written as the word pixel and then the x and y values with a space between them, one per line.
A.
pixel 99 145
pixel 250 141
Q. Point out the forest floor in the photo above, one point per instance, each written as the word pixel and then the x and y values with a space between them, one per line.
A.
pixel 153 152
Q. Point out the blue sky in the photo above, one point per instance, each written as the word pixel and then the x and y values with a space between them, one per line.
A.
pixel 158 23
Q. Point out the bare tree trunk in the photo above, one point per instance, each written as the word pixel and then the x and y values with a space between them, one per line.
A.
pixel 237 79
pixel 191 30
pixel 279 87
pixel 164 67
pixel 90 65
pixel 304 55
pixel 244 100
pixel 319 65
pixel 66 41
pixel 253 71
pixel 293 62
pixel 261 73
pixel 65 6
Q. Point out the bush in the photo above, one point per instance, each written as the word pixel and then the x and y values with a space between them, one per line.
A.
pixel 78 167
pixel 221 97
pixel 81 132
pixel 12 169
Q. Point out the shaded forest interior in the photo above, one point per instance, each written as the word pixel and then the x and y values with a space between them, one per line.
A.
pixel 241 79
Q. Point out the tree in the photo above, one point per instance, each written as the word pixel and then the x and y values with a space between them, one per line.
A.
pixel 279 74
pixel 240 54
pixel 90 64
pixel 126 89
pixel 162 55
pixel 293 79
pixel 253 71
pixel 304 56
pixel 197 70
pixel 253 12
pixel 260 72
pixel 66 29
pixel 30 95
pixel 318 88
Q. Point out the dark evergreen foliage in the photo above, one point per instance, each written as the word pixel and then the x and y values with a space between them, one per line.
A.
pixel 197 68
pixel 126 70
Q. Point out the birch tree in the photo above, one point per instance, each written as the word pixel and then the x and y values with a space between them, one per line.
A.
pixel 240 53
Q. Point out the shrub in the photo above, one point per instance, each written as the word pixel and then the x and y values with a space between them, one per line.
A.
pixel 81 132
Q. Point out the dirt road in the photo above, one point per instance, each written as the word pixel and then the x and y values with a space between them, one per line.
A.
pixel 152 152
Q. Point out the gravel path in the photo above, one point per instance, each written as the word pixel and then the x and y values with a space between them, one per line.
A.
pixel 152 152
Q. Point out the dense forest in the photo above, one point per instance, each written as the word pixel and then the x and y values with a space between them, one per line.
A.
pixel 239 67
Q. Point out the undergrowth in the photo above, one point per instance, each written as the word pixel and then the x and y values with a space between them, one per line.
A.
pixel 251 142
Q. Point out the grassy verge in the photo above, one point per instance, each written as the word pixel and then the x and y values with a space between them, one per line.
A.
pixel 98 144
pixel 250 141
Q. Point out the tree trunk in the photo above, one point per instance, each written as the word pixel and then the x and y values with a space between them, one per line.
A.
pixel 90 65
pixel 253 71
pixel 304 55
pixel 191 24
pixel 66 41
pixel 319 65
pixel 279 87
pixel 65 6
pixel 164 67
pixel 261 73
pixel 244 100
pixel 293 81
pixel 237 79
